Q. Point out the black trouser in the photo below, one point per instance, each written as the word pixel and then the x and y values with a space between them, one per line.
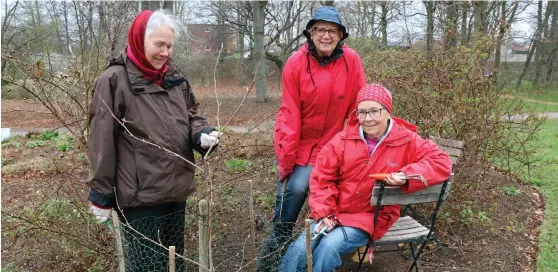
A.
pixel 164 224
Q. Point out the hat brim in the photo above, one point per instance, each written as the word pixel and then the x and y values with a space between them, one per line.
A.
pixel 314 21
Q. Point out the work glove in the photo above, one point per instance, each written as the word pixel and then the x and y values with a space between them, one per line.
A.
pixel 101 213
pixel 211 139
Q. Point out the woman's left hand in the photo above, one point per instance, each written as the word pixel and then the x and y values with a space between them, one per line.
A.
pixel 396 179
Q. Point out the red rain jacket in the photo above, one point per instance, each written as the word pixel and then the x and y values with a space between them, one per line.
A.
pixel 339 183
pixel 314 105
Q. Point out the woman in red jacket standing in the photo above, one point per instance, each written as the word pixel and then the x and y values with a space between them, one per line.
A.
pixel 373 142
pixel 320 84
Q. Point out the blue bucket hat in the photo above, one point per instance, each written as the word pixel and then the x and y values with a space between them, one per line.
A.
pixel 328 14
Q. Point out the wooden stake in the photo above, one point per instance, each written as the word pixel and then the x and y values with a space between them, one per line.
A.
pixel 253 225
pixel 203 236
pixel 118 238
pixel 308 247
pixel 172 264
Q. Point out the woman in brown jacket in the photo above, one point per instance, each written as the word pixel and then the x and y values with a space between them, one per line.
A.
pixel 147 186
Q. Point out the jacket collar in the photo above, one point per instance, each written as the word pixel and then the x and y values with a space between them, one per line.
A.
pixel 140 84
pixel 323 61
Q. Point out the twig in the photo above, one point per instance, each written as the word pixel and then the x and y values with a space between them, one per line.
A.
pixel 216 98
pixel 65 125
pixel 39 112
pixel 215 89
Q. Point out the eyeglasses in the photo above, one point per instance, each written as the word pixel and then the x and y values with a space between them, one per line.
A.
pixel 374 113
pixel 321 31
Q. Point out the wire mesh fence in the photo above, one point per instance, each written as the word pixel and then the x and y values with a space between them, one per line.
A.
pixel 235 233
pixel 143 245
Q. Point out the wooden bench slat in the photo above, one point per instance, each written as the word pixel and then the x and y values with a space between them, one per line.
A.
pixel 401 232
pixel 454 160
pixel 407 200
pixel 409 236
pixel 406 226
pixel 404 220
pixel 454 152
pixel 394 195
pixel 396 191
pixel 447 142
pixel 395 234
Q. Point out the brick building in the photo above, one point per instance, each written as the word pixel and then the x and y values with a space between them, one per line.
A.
pixel 206 39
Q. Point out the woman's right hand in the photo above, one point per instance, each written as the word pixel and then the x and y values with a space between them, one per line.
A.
pixel 327 223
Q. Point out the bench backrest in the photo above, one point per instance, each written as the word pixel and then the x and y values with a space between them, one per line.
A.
pixel 393 195
pixel 452 147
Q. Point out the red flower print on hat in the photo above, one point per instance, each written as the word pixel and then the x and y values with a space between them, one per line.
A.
pixel 376 92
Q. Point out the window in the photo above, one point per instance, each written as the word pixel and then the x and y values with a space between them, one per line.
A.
pixel 207 39
pixel 207 29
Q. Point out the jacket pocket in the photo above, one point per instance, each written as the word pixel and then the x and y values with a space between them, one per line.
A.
pixel 138 185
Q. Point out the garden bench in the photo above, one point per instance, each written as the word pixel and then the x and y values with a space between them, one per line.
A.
pixel 411 229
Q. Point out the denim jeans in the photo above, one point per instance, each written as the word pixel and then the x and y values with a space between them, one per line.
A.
pixel 284 220
pixel 326 250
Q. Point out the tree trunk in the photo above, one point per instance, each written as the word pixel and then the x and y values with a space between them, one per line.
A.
pixel 372 19
pixel 91 34
pixel 54 16
pixel 464 12
pixel 150 5
pixel 542 48
pixel 66 28
pixel 168 5
pixel 451 28
pixel 538 52
pixel 480 16
pixel 504 26
pixel 259 54
pixel 242 19
pixel 383 23
pixel 430 9
pixel 552 45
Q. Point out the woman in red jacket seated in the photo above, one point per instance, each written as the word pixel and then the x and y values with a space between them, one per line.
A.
pixel 373 142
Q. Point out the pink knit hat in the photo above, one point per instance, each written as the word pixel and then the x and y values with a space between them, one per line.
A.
pixel 375 92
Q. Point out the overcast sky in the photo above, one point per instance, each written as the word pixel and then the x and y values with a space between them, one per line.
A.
pixel 522 29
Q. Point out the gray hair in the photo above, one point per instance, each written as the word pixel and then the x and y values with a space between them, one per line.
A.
pixel 162 18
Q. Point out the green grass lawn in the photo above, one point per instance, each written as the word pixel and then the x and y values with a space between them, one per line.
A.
pixel 547 97
pixel 545 177
pixel 529 91
pixel 539 107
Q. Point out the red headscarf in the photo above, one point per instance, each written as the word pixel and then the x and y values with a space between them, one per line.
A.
pixel 136 49
pixel 375 92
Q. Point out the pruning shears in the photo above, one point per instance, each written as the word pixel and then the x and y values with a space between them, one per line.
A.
pixel 316 233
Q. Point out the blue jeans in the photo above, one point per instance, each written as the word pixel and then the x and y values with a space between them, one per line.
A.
pixel 284 219
pixel 326 250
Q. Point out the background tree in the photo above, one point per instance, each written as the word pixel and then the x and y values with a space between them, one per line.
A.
pixel 259 50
